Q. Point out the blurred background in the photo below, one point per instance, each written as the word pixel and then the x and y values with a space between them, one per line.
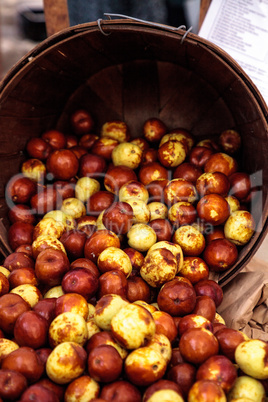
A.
pixel 22 22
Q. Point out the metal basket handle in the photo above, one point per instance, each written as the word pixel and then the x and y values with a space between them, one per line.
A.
pixel 155 24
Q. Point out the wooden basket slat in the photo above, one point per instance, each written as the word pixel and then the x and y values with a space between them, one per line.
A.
pixel 86 97
pixel 220 76
pixel 140 101
pixel 171 76
pixel 20 130
pixel 214 120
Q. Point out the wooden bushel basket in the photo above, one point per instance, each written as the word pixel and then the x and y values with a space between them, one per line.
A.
pixel 130 70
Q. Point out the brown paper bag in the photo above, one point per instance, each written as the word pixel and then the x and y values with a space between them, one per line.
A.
pixel 245 301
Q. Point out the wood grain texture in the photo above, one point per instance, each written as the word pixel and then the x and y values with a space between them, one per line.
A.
pixel 56 15
pixel 204 6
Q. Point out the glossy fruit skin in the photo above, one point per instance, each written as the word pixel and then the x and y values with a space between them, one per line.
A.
pixel 118 217
pixel 162 228
pixel 81 122
pixel 116 176
pixel 183 374
pixel 55 138
pixel 213 183
pixel 172 153
pixel 144 366
pixel 57 389
pixel 64 188
pixel 137 289
pixel 197 345
pixel 38 392
pixel 208 287
pixel 98 242
pixel 136 259
pixel 34 169
pixel 209 143
pixel 74 242
pixel 183 135
pixel 66 362
pixel 162 384
pixel 192 320
pixel 155 189
pixel 176 357
pixel 26 361
pixel 217 232
pixel 182 213
pixel 85 263
pixel 160 266
pixel 120 391
pixel 104 147
pixel 113 282
pixel 100 338
pixel 134 189
pixel 127 154
pixel 21 276
pixel 26 249
pixel 20 189
pixel 38 148
pixel 187 171
pixel 20 233
pixel 4 284
pixel 220 369
pixel 116 129
pixel 149 155
pixel 240 185
pixel 21 213
pixel 152 171
pixel 104 363
pixel 206 390
pixel 81 281
pixel 154 129
pixel 229 339
pixel 199 156
pixel 179 190
pixel 31 330
pixel 78 151
pixel 17 260
pixel 99 201
pixel 63 164
pixel 141 142
pixel 220 255
pixel 71 140
pixel 240 227
pixel 230 141
pixel 165 325
pixel 50 266
pixel 46 308
pixel 213 209
pixel 205 306
pixel 11 307
pixel 190 239
pixel 45 200
pixel 82 388
pixel 221 162
pixel 194 269
pixel 12 384
pixel 87 141
pixel 177 297
pixel 91 165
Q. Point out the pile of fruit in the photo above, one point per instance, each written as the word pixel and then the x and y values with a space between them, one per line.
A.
pixel 107 294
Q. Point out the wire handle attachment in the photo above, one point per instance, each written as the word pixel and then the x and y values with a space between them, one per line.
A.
pixel 155 24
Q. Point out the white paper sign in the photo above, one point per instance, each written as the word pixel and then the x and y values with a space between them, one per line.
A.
pixel 240 27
